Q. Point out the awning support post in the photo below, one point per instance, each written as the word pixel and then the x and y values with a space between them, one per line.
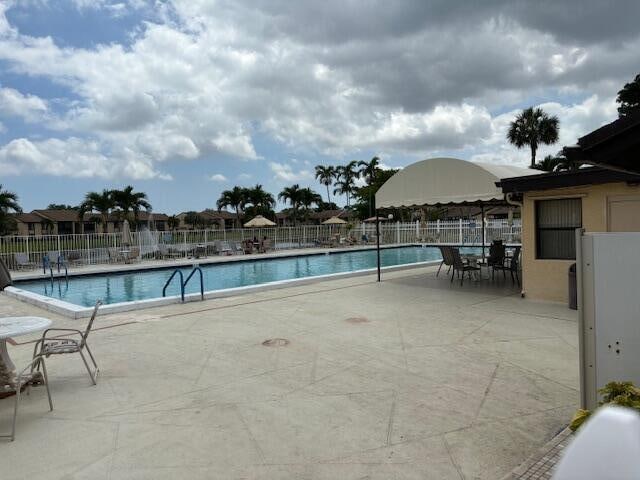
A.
pixel 378 241
pixel 483 232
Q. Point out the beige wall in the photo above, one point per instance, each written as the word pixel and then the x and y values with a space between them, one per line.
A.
pixel 547 279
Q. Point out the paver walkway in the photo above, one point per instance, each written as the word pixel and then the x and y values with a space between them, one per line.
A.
pixel 411 378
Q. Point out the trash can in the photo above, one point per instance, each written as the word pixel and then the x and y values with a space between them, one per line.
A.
pixel 573 288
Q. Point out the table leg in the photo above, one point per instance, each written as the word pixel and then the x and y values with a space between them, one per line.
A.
pixel 5 356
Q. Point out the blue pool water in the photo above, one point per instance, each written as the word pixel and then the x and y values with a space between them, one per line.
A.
pixel 146 284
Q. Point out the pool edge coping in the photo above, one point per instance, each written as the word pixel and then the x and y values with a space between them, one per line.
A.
pixel 73 311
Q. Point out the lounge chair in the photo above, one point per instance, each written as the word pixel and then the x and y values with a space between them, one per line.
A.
pixel 53 258
pixel 236 248
pixel 447 259
pixel 460 266
pixel 11 384
pixel 23 262
pixel 166 252
pixel 47 345
pixel 222 247
pixel 511 265
pixel 115 256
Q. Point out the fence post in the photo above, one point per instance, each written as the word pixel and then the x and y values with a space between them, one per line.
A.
pixel 27 248
pixel 88 248
pixel 460 230
pixel 184 242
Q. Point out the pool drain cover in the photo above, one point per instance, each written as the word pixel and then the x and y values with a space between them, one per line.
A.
pixel 276 342
pixel 357 320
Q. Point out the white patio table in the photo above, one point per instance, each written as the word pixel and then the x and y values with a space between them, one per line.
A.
pixel 14 327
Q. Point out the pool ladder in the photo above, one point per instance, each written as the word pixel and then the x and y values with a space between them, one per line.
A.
pixel 183 282
pixel 47 263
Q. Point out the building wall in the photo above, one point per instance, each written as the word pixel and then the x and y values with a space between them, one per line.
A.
pixel 547 279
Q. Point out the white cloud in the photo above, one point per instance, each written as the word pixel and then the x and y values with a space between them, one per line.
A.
pixel 203 80
pixel 28 107
pixel 218 177
pixel 73 157
pixel 245 176
pixel 283 171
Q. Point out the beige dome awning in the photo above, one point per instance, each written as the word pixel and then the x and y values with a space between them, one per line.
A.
pixel 446 181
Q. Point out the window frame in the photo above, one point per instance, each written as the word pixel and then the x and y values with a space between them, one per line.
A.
pixel 538 229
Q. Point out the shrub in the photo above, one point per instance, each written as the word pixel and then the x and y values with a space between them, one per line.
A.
pixel 623 394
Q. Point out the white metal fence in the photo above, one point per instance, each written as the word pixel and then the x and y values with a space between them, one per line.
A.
pixel 24 252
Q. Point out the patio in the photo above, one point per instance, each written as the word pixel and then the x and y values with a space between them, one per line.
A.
pixel 409 378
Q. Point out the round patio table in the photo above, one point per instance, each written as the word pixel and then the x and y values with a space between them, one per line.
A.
pixel 14 327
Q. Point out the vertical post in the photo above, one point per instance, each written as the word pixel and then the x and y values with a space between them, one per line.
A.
pixel 184 242
pixel 378 241
pixel 88 249
pixel 484 239
pixel 460 232
pixel 398 231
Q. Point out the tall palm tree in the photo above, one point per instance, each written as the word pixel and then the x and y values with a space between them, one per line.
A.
pixel 102 203
pixel 326 174
pixel 532 127
pixel 129 201
pixel 8 202
pixel 346 180
pixel 235 199
pixel 369 170
pixel 308 198
pixel 293 196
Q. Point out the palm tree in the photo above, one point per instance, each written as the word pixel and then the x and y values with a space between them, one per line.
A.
pixel 346 180
pixel 8 202
pixel 292 195
pixel 261 200
pixel 533 127
pixel 308 198
pixel 326 174
pixel 548 164
pixel 369 171
pixel 102 203
pixel 129 201
pixel 235 199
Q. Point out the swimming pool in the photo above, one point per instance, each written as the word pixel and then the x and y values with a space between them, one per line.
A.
pixel 142 285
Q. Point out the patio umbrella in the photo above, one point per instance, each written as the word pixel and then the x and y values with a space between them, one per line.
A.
pixel 126 233
pixel 373 219
pixel 259 221
pixel 334 221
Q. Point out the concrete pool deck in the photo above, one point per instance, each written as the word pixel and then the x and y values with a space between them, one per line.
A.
pixel 410 378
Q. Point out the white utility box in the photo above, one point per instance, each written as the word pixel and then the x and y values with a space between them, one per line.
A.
pixel 608 283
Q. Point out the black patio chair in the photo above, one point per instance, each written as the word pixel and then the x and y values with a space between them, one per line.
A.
pixel 460 266
pixel 511 265
pixel 447 259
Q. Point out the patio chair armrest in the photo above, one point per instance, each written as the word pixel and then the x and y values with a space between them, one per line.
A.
pixel 72 330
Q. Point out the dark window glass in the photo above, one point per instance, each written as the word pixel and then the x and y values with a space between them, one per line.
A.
pixel 556 222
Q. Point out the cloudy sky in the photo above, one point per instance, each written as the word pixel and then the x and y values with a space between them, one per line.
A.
pixel 185 98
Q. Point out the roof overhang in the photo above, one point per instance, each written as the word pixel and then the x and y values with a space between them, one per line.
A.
pixel 615 146
pixel 576 178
